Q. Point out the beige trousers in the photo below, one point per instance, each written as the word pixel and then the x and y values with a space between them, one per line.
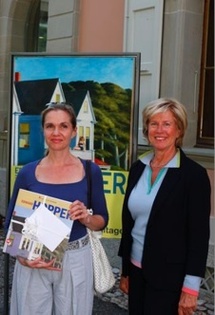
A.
pixel 66 292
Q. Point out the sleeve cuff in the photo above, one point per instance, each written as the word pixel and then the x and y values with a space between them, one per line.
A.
pixel 190 291
pixel 191 284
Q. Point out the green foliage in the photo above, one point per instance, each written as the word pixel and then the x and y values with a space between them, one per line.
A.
pixel 112 108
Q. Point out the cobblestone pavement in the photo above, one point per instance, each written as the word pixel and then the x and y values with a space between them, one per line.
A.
pixel 113 302
pixel 205 305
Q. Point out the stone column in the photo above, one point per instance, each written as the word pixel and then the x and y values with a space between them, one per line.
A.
pixel 63 21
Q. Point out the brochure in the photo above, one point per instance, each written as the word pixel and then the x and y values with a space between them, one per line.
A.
pixel 40 227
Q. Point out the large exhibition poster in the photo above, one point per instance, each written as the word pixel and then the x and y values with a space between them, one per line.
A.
pixel 104 92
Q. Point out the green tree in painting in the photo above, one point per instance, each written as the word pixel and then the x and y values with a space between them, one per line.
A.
pixel 112 108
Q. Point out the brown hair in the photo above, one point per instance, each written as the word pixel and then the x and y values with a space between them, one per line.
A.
pixel 66 107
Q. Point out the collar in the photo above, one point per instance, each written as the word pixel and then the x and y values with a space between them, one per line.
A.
pixel 146 157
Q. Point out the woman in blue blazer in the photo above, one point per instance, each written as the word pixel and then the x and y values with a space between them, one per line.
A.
pixel 165 219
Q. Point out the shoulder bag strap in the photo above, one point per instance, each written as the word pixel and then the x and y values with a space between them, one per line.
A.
pixel 88 175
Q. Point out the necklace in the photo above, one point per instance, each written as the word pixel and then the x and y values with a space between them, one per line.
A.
pixel 157 166
pixel 163 164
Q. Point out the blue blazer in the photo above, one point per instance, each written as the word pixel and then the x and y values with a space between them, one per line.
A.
pixel 177 234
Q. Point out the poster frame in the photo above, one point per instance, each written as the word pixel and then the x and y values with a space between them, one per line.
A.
pixel 134 106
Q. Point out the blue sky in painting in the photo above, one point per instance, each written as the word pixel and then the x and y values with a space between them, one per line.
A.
pixel 102 69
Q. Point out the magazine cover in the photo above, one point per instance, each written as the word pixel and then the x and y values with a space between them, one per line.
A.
pixel 21 242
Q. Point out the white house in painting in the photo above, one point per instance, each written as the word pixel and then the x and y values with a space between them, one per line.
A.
pixel 30 98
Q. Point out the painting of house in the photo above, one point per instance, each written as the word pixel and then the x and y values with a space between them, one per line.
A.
pixel 101 90
pixel 30 98
pixel 81 102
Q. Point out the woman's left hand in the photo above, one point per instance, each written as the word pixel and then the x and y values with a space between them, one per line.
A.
pixel 187 304
pixel 78 211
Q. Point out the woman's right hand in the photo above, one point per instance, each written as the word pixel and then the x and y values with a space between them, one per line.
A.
pixel 37 263
pixel 124 284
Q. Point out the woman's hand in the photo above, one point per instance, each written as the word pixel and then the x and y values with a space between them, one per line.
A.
pixel 124 284
pixel 38 263
pixel 187 304
pixel 78 211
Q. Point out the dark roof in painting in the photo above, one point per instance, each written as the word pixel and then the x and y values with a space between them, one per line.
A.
pixel 76 98
pixel 34 95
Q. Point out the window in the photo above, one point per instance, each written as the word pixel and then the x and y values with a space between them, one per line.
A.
pixel 57 98
pixel 36 28
pixel 85 106
pixel 88 138
pixel 81 131
pixel 42 27
pixel 24 134
pixel 205 136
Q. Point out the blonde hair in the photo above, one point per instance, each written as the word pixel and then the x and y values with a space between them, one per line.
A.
pixel 162 105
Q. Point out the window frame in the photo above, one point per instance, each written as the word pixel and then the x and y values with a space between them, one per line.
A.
pixel 204 106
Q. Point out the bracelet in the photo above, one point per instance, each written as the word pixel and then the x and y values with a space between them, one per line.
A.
pixel 90 211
